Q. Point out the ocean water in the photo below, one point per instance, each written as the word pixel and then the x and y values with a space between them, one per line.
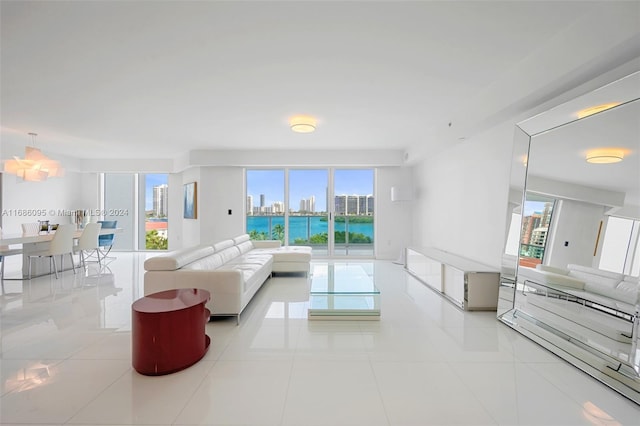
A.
pixel 303 226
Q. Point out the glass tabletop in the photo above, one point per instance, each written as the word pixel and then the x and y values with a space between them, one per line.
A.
pixel 341 278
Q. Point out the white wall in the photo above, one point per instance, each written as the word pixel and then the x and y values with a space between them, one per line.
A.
pixel 576 223
pixel 461 194
pixel 175 180
pixel 190 227
pixel 222 189
pixel 392 218
pixel 24 202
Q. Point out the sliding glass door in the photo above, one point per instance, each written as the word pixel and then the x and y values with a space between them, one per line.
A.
pixel 331 210
pixel 354 212
pixel 139 204
pixel 265 204
pixel 307 219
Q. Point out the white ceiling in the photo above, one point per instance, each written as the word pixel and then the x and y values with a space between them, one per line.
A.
pixel 146 79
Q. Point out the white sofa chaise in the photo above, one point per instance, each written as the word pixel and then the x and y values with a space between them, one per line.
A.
pixel 231 270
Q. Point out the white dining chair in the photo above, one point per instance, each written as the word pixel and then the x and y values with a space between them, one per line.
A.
pixel 4 252
pixel 88 242
pixel 61 244
pixel 30 228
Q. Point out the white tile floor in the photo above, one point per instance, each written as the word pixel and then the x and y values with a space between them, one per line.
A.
pixel 66 359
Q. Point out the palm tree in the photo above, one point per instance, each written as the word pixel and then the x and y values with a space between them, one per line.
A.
pixel 278 232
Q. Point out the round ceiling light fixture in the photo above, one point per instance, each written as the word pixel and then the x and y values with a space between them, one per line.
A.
pixel 605 156
pixel 302 124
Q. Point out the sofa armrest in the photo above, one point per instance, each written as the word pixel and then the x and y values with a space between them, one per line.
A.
pixel 266 243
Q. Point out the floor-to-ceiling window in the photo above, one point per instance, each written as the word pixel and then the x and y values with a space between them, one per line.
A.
pixel 536 221
pixel 139 204
pixel 621 246
pixel 265 204
pixel 120 205
pixel 156 210
pixel 354 212
pixel 307 217
pixel 331 210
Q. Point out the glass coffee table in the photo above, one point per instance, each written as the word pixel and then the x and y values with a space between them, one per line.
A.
pixel 342 291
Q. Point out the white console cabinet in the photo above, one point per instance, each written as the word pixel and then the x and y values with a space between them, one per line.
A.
pixel 468 284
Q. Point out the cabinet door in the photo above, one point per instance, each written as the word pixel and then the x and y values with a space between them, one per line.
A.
pixel 454 284
pixel 434 274
pixel 417 264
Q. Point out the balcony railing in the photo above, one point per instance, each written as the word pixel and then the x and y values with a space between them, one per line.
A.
pixel 350 231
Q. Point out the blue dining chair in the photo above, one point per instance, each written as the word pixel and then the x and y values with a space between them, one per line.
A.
pixel 105 241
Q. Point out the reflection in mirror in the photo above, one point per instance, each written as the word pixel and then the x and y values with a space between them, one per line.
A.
pixel 514 217
pixel 572 252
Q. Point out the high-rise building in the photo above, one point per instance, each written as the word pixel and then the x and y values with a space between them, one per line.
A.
pixel 308 205
pixel 249 206
pixel 354 205
pixel 340 204
pixel 370 204
pixel 277 207
pixel 161 200
pixel 261 200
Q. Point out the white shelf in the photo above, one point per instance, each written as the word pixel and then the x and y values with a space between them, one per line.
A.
pixel 466 283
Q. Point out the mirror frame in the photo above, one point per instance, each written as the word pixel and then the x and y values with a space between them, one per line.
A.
pixel 627 383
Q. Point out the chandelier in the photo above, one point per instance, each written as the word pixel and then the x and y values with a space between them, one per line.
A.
pixel 35 166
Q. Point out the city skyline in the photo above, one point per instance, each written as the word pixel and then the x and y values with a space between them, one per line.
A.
pixel 304 184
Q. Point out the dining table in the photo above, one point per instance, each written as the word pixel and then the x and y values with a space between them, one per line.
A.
pixel 37 242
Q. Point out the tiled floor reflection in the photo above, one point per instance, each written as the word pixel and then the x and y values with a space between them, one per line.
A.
pixel 66 359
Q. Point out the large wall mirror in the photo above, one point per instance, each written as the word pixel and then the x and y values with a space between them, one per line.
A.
pixel 572 253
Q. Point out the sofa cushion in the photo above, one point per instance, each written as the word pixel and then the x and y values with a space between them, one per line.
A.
pixel 595 279
pixel 555 270
pixel 248 270
pixel 631 288
pixel 206 263
pixel 258 258
pixel 229 253
pixel 241 239
pixel 218 247
pixel 245 247
pixel 292 254
pixel 622 294
pixel 261 244
pixel 594 271
pixel 549 278
pixel 177 259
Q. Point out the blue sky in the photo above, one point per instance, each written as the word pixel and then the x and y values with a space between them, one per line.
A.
pixel 302 184
pixel 531 207
pixel 305 183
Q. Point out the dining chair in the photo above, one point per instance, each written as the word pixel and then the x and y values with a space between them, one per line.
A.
pixel 30 228
pixel 106 240
pixel 4 252
pixel 88 242
pixel 61 244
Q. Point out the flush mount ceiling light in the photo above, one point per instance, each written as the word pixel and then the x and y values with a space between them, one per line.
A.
pixel 596 109
pixel 302 124
pixel 605 156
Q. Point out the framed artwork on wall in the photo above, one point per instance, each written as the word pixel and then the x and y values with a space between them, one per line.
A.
pixel 190 200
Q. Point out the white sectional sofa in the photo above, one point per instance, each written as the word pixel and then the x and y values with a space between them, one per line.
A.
pixel 602 301
pixel 231 270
